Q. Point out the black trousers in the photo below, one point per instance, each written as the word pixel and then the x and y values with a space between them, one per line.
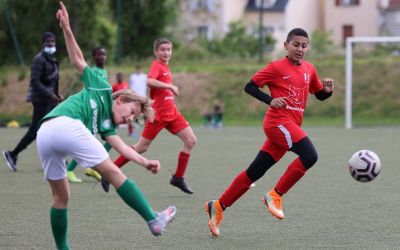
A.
pixel 40 109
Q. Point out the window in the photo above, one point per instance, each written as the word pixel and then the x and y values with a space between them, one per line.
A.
pixel 267 3
pixel 344 3
pixel 202 31
pixel 347 31
pixel 203 4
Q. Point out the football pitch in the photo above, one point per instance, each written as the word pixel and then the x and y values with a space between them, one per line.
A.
pixel 327 209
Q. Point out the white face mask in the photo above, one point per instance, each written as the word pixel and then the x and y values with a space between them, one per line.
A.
pixel 49 50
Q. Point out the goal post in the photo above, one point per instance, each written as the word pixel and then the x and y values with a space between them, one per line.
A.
pixel 349 69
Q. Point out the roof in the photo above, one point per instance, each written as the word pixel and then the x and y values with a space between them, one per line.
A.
pixel 279 6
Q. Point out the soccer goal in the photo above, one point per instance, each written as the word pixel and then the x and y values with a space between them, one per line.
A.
pixel 350 41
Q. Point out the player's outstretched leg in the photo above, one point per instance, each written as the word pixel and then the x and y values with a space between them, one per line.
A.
pixel 133 197
pixel 215 212
pixel 158 225
pixel 273 201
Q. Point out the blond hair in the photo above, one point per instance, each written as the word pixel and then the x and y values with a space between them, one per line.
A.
pixel 128 95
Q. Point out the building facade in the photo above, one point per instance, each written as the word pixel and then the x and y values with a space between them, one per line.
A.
pixel 340 18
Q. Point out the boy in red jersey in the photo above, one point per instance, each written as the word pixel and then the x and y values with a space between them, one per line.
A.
pixel 162 91
pixel 289 80
pixel 120 83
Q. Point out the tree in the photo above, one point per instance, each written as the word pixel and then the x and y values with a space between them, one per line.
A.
pixel 237 42
pixel 30 19
pixel 142 22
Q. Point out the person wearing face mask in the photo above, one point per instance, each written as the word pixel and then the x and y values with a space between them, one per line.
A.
pixel 43 94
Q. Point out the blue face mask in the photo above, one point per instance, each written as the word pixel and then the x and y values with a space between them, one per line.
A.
pixel 49 50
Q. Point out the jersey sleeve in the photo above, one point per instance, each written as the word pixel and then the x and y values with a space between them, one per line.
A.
pixel 154 71
pixel 264 76
pixel 315 84
pixel 92 80
pixel 106 133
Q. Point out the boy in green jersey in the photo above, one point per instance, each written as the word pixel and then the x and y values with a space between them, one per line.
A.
pixel 99 55
pixel 68 130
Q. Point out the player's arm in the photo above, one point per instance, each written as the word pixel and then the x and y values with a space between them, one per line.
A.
pixel 252 89
pixel 153 83
pixel 74 52
pixel 327 90
pixel 119 145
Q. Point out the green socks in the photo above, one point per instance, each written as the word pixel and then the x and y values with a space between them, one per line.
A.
pixel 59 226
pixel 132 196
pixel 72 165
pixel 107 146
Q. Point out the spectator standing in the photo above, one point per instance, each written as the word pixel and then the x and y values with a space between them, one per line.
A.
pixel 43 94
pixel 138 81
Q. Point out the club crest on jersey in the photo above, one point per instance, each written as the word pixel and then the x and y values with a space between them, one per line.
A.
pixel 298 95
pixel 306 78
pixel 107 124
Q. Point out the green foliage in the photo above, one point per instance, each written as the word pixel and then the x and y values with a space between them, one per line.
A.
pixel 237 43
pixel 30 19
pixel 92 22
pixel 382 49
pixel 141 23
pixel 321 43
pixel 21 74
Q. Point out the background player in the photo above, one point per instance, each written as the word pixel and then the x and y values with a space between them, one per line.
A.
pixel 99 55
pixel 162 91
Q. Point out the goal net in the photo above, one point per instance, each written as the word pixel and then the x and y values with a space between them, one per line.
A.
pixel 350 44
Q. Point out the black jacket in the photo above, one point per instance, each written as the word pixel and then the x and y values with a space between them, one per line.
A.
pixel 44 78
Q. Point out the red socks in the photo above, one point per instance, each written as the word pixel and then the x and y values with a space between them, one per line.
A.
pixel 293 173
pixel 183 160
pixel 238 187
pixel 121 160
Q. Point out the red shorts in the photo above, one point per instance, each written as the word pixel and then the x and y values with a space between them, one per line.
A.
pixel 281 138
pixel 151 129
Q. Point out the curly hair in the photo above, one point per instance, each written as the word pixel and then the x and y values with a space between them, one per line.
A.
pixel 128 95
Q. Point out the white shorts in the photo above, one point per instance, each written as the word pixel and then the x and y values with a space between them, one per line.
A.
pixel 62 136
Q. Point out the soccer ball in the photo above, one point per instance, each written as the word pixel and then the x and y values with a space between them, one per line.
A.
pixel 364 165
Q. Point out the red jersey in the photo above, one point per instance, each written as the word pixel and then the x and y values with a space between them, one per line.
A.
pixel 164 102
pixel 119 86
pixel 294 82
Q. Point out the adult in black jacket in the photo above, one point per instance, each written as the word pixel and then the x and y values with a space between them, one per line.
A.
pixel 43 93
